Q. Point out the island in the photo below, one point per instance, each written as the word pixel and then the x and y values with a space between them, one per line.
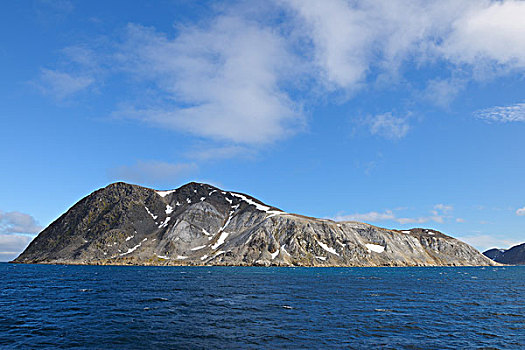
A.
pixel 199 224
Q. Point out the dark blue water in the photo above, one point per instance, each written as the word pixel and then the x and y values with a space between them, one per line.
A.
pixel 106 307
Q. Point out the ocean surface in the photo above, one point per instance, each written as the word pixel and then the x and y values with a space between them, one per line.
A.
pixel 110 307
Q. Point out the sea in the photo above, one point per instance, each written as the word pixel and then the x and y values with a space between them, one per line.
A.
pixel 139 307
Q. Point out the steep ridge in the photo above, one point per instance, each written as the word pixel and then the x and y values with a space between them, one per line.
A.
pixel 198 224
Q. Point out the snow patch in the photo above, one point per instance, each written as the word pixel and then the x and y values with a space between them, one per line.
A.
pixel 165 222
pixel 131 250
pixel 188 200
pixel 181 257
pixel 321 258
pixel 164 193
pixel 128 238
pixel 169 209
pixel 274 254
pixel 218 253
pixel 204 257
pixel 221 240
pixel 375 247
pixel 284 250
pixel 405 231
pixel 151 214
pixel 206 232
pixel 327 248
pixel 203 198
pixel 258 206
pixel 163 257
pixel 199 247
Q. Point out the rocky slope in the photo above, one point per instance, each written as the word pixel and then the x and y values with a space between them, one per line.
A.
pixel 512 256
pixel 199 224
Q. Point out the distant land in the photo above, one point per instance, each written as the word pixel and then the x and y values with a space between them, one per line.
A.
pixel 512 256
pixel 199 224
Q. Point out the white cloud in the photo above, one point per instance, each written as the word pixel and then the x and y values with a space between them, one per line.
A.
pixel 491 31
pixel 503 114
pixel 11 245
pixel 341 40
pixel 520 211
pixel 353 40
pixel 388 126
pixel 153 172
pixel 16 222
pixel 222 81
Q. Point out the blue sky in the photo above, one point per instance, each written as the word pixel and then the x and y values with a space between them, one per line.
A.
pixel 396 113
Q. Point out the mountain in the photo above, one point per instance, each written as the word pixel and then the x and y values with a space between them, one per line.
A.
pixel 512 256
pixel 198 224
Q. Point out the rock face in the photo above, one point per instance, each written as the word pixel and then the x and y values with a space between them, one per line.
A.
pixel 512 256
pixel 198 224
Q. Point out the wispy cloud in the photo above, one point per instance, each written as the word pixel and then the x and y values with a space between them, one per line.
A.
pixel 153 172
pixel 503 114
pixel 388 126
pixel 61 85
pixel 520 211
pixel 441 92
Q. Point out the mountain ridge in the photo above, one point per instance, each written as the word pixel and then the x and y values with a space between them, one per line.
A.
pixel 515 255
pixel 199 224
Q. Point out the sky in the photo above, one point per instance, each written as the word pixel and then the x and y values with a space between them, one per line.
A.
pixel 396 113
